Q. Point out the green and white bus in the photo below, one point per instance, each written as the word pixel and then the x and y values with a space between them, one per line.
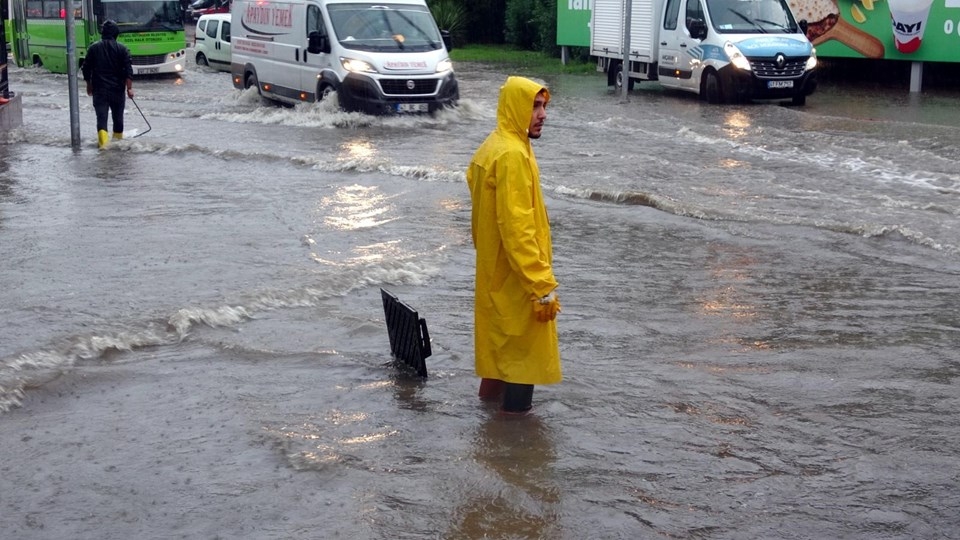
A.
pixel 151 29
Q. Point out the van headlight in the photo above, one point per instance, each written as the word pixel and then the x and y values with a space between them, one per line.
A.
pixel 444 65
pixel 736 57
pixel 356 66
pixel 812 61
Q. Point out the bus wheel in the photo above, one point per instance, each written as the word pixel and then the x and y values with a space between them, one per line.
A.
pixel 37 62
pixel 202 60
pixel 711 88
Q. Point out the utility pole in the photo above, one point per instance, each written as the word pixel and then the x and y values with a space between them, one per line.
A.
pixel 72 76
pixel 625 67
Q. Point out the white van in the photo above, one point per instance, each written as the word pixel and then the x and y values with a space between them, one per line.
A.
pixel 726 51
pixel 380 57
pixel 212 41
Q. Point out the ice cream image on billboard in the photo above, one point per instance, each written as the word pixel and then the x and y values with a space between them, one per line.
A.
pixel 825 23
pixel 909 19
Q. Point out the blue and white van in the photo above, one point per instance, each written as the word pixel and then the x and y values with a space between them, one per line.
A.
pixel 724 50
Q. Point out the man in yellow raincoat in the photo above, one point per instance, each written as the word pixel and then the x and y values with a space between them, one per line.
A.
pixel 516 303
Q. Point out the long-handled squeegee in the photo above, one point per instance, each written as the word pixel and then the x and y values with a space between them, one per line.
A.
pixel 144 119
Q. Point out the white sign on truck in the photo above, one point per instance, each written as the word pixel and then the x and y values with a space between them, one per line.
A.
pixel 380 57
pixel 724 50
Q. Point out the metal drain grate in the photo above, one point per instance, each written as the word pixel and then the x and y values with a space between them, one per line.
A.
pixel 409 338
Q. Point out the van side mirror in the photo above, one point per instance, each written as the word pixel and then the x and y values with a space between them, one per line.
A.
pixel 698 28
pixel 317 43
pixel 447 40
pixel 802 23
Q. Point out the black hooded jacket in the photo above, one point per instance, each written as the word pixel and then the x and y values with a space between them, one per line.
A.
pixel 108 64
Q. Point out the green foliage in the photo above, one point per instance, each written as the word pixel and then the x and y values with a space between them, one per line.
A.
pixel 521 28
pixel 532 25
pixel 450 15
pixel 546 21
pixel 485 21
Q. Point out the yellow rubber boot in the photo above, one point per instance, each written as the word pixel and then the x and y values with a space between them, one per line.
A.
pixel 102 138
pixel 117 136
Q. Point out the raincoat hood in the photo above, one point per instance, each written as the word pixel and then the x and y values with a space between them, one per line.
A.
pixel 515 108
pixel 110 30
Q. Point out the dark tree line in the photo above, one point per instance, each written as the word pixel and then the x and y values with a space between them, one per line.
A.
pixel 528 24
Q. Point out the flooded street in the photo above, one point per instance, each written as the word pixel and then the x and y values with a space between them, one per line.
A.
pixel 761 311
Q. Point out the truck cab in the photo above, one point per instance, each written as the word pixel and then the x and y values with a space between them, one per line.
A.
pixel 736 50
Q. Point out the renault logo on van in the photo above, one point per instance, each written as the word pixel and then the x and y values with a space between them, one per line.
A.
pixel 411 85
pixel 781 61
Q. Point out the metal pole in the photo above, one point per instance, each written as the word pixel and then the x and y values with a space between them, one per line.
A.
pixel 916 76
pixel 72 77
pixel 625 67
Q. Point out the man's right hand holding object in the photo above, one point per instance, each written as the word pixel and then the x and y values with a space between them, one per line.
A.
pixel 547 307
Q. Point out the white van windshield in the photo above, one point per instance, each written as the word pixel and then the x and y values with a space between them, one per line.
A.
pixel 751 17
pixel 390 27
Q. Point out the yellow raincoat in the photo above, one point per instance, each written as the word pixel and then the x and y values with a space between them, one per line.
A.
pixel 511 234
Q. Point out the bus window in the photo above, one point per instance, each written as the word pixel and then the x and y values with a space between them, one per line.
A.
pixel 34 9
pixel 51 9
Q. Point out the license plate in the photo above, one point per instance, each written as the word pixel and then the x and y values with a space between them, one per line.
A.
pixel 412 107
pixel 779 84
pixel 144 71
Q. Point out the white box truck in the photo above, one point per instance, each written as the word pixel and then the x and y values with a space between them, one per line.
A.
pixel 380 57
pixel 726 51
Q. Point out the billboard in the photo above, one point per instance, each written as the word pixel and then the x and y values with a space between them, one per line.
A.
pixel 920 30
pixel 573 22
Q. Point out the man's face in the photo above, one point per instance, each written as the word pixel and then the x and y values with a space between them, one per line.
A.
pixel 538 117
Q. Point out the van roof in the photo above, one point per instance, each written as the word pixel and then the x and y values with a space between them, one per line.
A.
pixel 221 16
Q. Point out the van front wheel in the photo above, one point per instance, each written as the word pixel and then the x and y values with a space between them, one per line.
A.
pixel 711 88
pixel 325 91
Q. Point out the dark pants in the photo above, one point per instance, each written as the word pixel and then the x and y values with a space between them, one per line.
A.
pixel 517 397
pixel 514 398
pixel 114 103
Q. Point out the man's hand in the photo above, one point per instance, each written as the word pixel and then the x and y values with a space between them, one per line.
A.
pixel 130 93
pixel 547 307
pixel 89 88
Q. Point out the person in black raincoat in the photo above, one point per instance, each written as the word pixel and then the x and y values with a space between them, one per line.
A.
pixel 108 70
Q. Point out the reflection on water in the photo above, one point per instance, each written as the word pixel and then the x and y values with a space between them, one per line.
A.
pixel 736 124
pixel 522 498
pixel 359 148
